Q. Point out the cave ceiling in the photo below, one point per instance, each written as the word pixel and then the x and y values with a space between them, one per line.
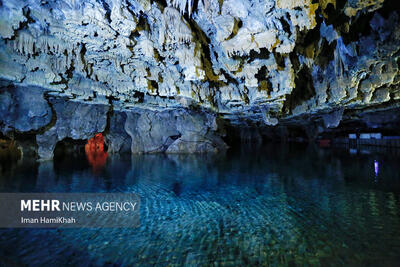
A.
pixel 265 61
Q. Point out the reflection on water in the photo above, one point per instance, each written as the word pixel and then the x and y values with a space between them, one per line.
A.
pixel 273 206
pixel 376 166
pixel 95 153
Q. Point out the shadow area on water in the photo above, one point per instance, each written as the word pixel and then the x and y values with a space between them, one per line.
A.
pixel 73 172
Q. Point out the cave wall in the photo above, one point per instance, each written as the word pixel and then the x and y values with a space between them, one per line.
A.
pixel 58 118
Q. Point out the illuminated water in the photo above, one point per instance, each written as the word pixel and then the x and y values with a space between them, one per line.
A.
pixel 271 206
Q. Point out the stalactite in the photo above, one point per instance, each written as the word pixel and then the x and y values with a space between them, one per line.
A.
pixel 182 5
pixel 176 30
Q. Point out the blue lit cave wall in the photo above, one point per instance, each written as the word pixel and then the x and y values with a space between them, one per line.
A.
pixel 191 76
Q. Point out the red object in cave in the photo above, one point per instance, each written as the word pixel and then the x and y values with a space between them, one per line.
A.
pixel 324 143
pixel 95 153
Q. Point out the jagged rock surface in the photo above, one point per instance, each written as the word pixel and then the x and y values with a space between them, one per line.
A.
pixel 263 60
pixel 117 139
pixel 31 114
pixel 74 120
pixel 332 120
pixel 169 68
pixel 134 130
pixel 173 131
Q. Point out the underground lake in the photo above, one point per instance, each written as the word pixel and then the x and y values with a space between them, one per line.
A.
pixel 271 205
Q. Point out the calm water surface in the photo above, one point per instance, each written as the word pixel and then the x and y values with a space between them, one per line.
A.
pixel 271 206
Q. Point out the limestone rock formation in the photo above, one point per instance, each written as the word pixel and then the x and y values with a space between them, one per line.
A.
pixel 74 120
pixel 173 131
pixel 117 138
pixel 31 114
pixel 135 130
pixel 262 62
pixel 332 120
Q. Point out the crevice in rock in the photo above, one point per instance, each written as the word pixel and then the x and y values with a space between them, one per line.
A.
pixel 285 25
pixel 69 152
pixel 110 113
pixel 67 147
pixel 9 152
pixel 142 25
pixel 303 90
pixel 280 60
pixel 388 7
pixel 325 53
pixel 253 55
pixel 264 84
pixel 229 78
pixel 236 27
pixel 358 28
pixel 336 15
pixel 53 120
pixel 107 9
pixel 161 4
pixel 23 24
pixel 202 47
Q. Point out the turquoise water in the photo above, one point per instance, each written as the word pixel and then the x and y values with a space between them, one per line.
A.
pixel 272 206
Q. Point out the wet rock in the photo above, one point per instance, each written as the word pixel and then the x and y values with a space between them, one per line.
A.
pixel 151 131
pixel 117 139
pixel 23 109
pixel 354 6
pixel 46 143
pixel 75 120
pixel 173 131
pixel 260 61
pixel 229 54
pixel 332 120
pixel 9 151
pixel 269 121
pixel 197 133
pixel 137 131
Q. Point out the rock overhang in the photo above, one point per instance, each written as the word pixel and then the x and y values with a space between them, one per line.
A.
pixel 261 61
